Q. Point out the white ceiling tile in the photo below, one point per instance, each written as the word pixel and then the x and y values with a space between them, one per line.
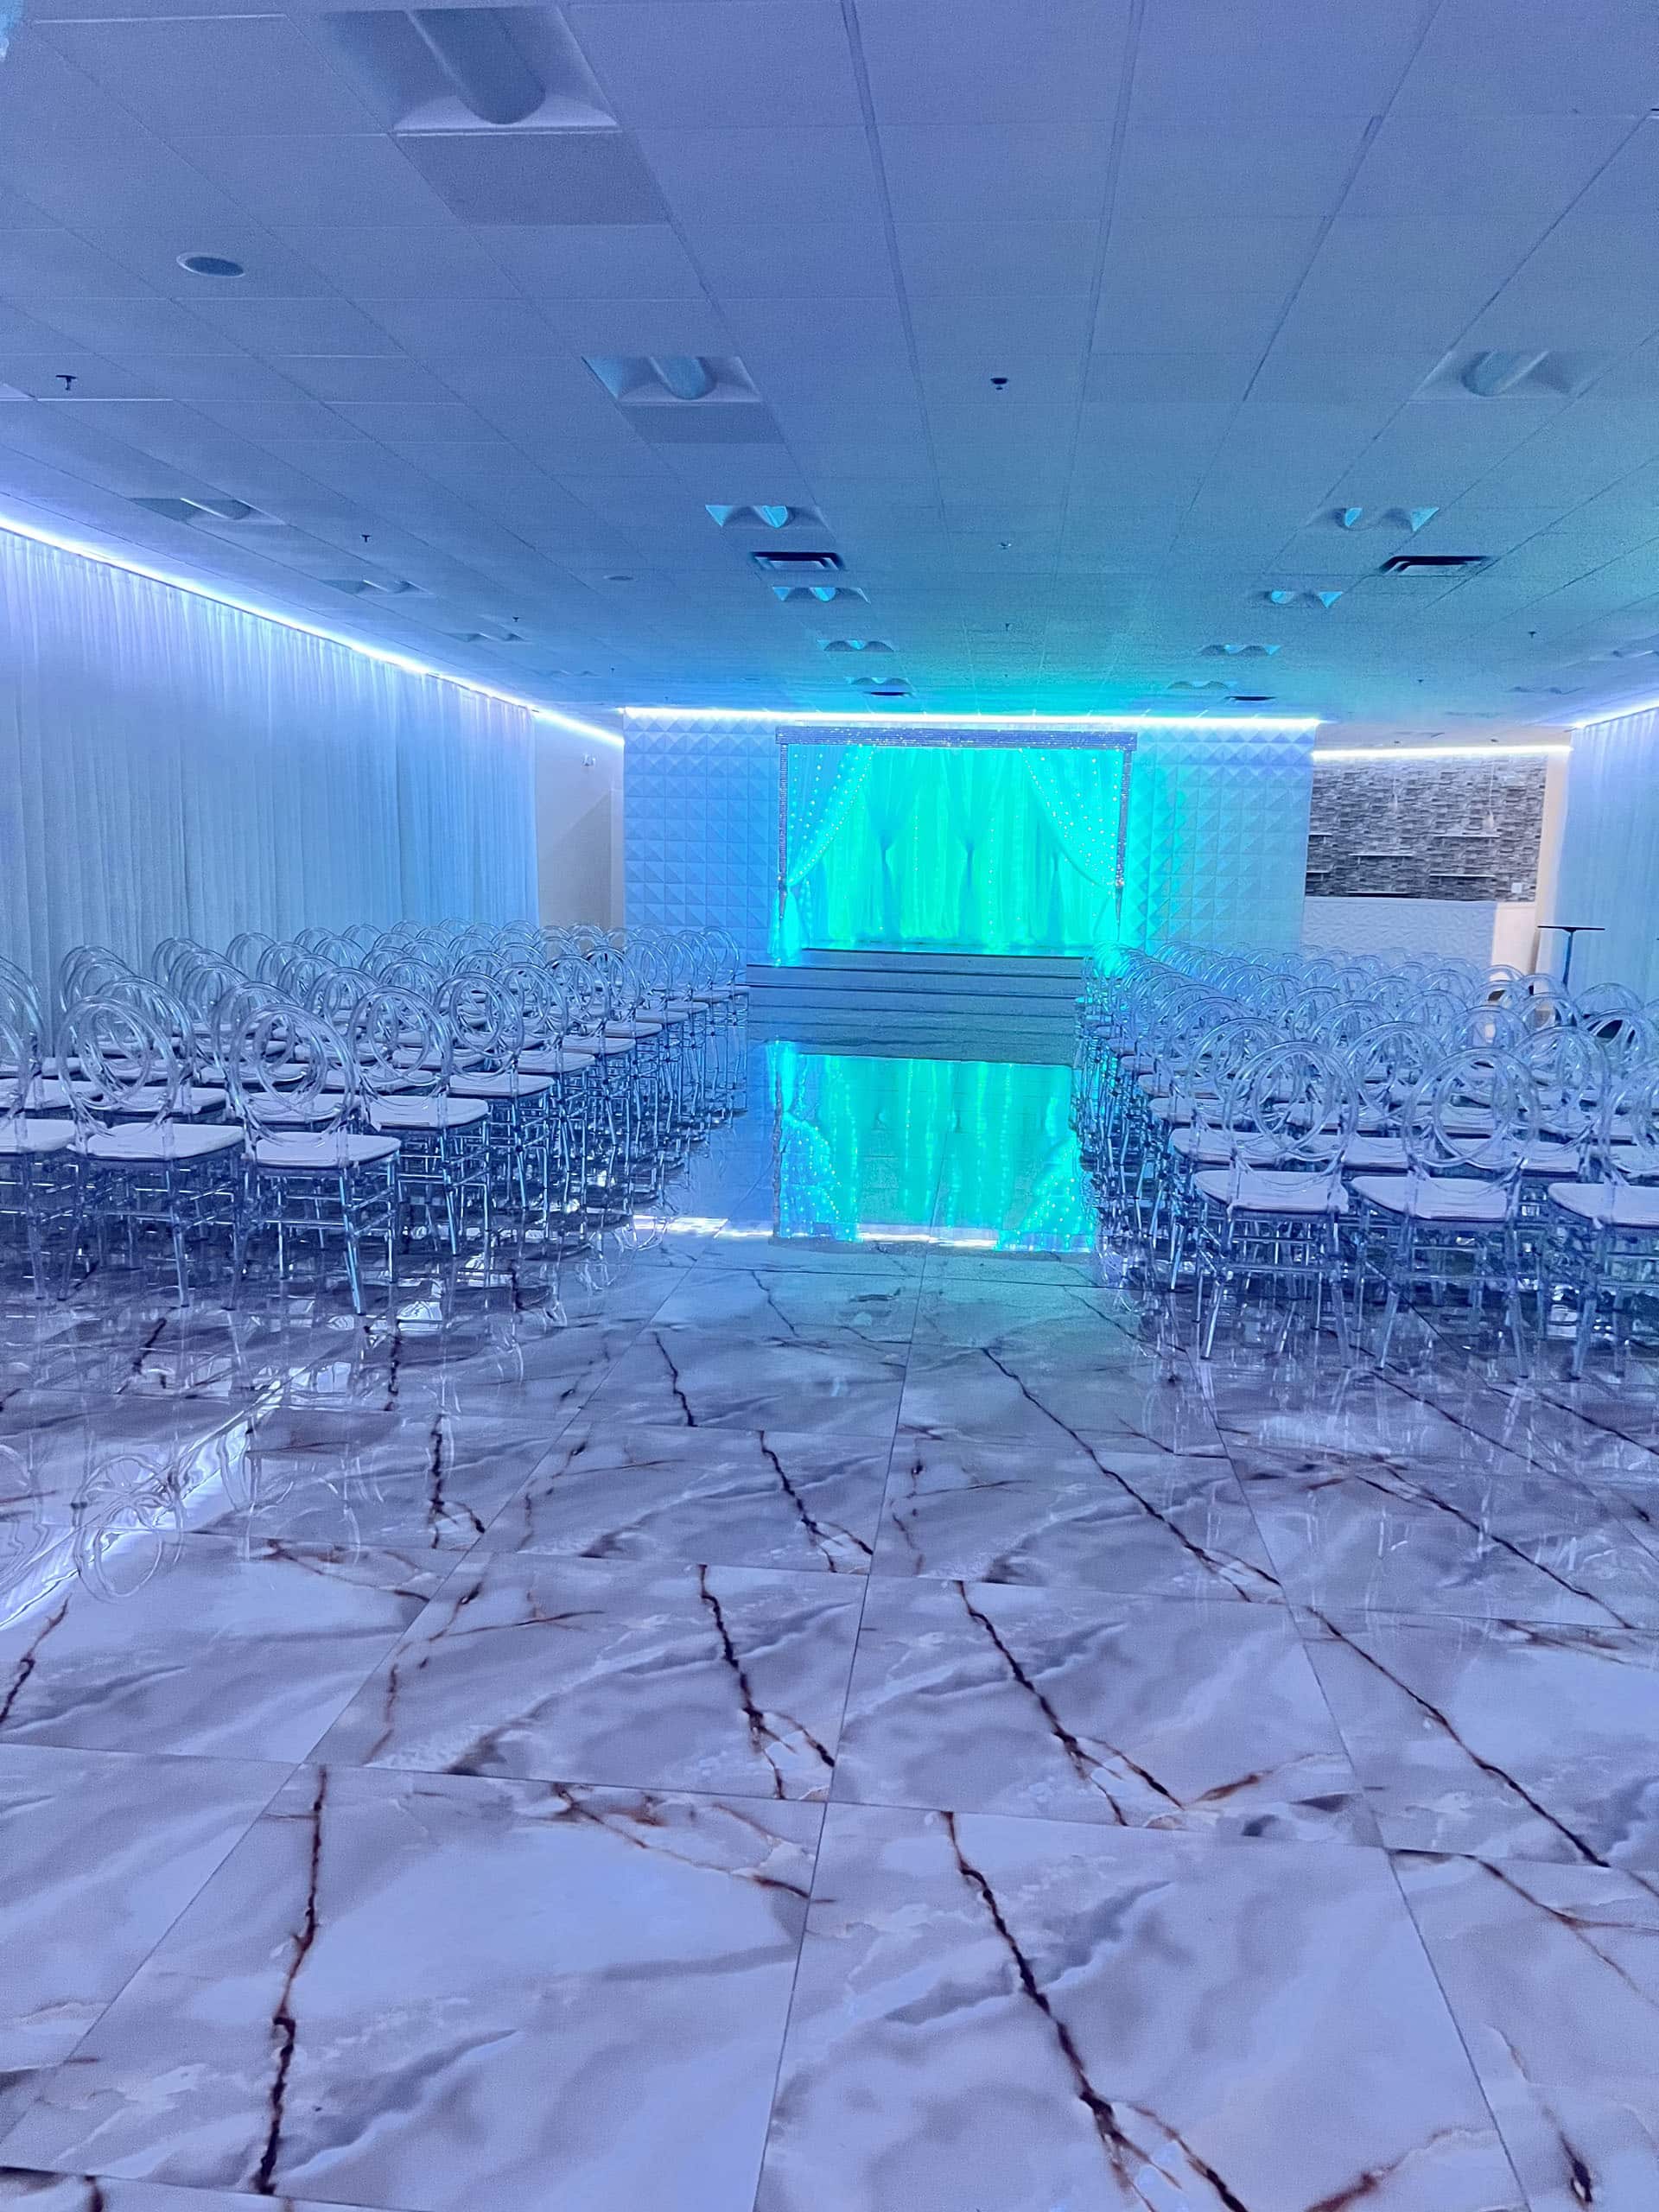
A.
pixel 1226 170
pixel 364 376
pixel 40 375
pixel 172 73
pixel 805 260
pixel 941 172
pixel 441 263
pixel 598 327
pixel 213 376
pixel 309 179
pixel 53 264
pixel 1255 61
pixel 1592 282
pixel 1598 58
pixel 271 270
pixel 1398 281
pixel 147 325
pixel 1174 378
pixel 1434 164
pixel 1044 62
pixel 272 328
pixel 413 419
pixel 822 172
pixel 941 260
pixel 595 261
pixel 488 328
pixel 724 63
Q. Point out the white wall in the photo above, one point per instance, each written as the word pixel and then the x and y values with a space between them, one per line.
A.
pixel 578 825
pixel 1465 928
pixel 171 766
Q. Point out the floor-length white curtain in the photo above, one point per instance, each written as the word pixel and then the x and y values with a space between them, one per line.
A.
pixel 169 766
pixel 824 783
pixel 1610 855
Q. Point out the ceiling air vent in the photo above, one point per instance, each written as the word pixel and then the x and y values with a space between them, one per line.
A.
pixel 432 70
pixel 387 587
pixel 820 595
pixel 202 510
pixel 793 563
pixel 1420 565
pixel 1239 652
pixel 1520 373
pixel 766 518
pixel 882 687
pixel 854 645
pixel 1396 519
pixel 1283 595
pixel 672 380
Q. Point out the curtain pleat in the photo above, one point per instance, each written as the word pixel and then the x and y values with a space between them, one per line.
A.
pixel 1609 855
pixel 169 766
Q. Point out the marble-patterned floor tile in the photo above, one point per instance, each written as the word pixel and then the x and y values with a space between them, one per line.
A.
pixel 981 1309
pixel 438 1993
pixel 684 1378
pixel 1024 2014
pixel 1047 1390
pixel 318 1475
pixel 758 1245
pixel 1352 1535
pixel 1552 1974
pixel 794 1305
pixel 226 1649
pixel 728 1680
pixel 1319 1404
pixel 101 1852
pixel 948 1265
pixel 709 1497
pixel 1091 1516
pixel 57 1450
pixel 1508 1739
pixel 26 2186
pixel 1191 1714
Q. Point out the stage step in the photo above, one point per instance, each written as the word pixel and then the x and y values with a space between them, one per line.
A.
pixel 1010 987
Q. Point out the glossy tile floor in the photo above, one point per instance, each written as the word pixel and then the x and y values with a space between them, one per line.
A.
pixel 830 1727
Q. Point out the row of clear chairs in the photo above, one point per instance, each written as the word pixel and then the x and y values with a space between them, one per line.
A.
pixel 1364 1136
pixel 439 1086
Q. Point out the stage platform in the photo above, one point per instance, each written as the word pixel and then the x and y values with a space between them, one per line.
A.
pixel 1016 1007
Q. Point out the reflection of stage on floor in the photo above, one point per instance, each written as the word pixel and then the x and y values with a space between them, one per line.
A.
pixel 1010 1006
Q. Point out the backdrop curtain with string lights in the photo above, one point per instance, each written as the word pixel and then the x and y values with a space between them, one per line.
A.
pixel 171 766
pixel 976 848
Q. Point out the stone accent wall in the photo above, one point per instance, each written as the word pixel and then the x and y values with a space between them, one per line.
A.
pixel 1462 830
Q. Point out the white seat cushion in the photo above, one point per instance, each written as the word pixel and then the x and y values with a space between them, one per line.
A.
pixel 632 1029
pixel 508 1084
pixel 149 1098
pixel 136 1142
pixel 17 1137
pixel 1201 1144
pixel 330 1151
pixel 1166 1109
pixel 1617 1205
pixel 554 1063
pixel 1383 1155
pixel 1271 1190
pixel 427 1111
pixel 1444 1197
pixel 1561 1160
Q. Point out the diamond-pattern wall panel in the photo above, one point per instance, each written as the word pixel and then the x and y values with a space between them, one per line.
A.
pixel 1217 852
pixel 1217 845
pixel 700 826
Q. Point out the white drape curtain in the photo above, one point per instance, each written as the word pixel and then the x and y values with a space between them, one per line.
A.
pixel 1082 792
pixel 170 767
pixel 1610 855
pixel 824 782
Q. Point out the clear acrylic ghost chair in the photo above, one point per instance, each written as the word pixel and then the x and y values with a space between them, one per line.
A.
pixel 1607 1226
pixel 489 1036
pixel 310 1174
pixel 1271 1218
pixel 403 1050
pixel 40 1167
pixel 1449 1222
pixel 145 1165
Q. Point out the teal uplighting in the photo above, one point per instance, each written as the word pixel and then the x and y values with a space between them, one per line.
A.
pixel 974 849
pixel 974 1154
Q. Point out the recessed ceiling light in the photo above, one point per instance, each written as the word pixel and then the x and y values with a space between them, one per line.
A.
pixel 210 264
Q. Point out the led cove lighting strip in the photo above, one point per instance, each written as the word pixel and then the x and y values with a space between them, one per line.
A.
pixel 1291 723
pixel 105 559
pixel 1406 753
pixel 1609 713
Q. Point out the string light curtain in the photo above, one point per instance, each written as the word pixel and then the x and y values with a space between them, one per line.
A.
pixel 171 766
pixel 826 782
pixel 980 848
